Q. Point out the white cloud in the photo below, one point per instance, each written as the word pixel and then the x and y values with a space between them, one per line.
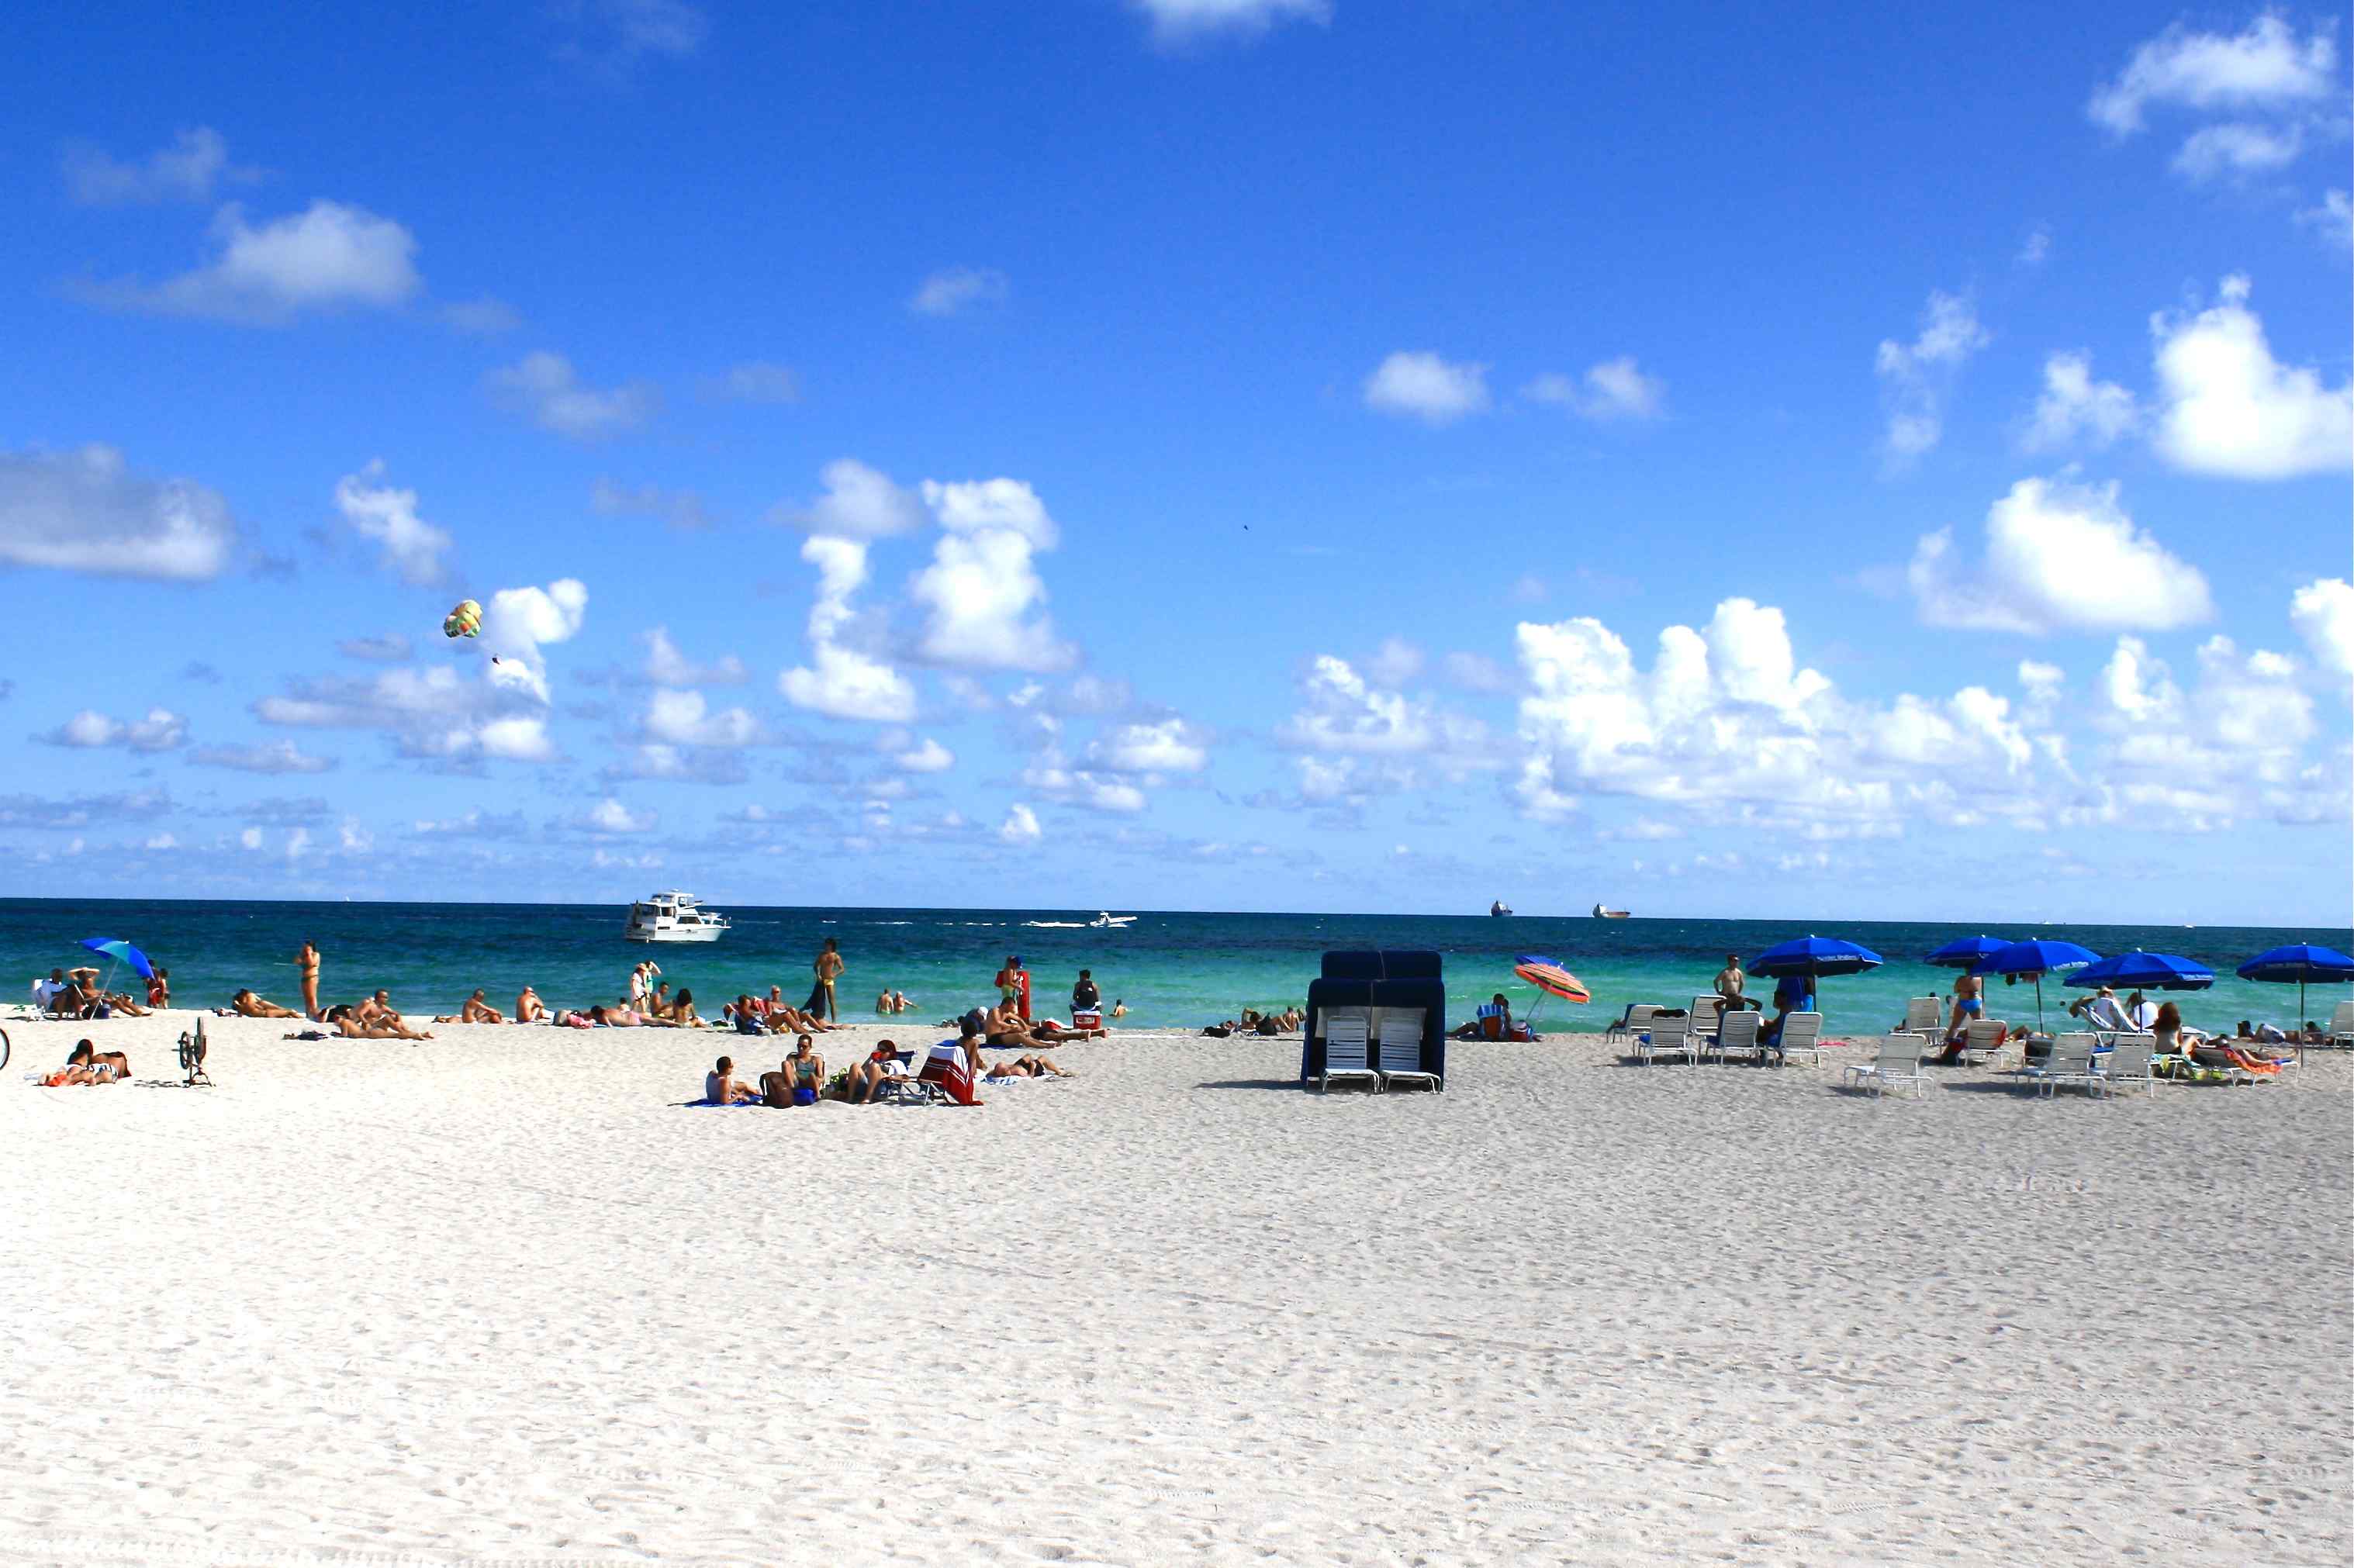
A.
pixel 611 37
pixel 1394 663
pixel 754 381
pixel 2332 218
pixel 1188 21
pixel 161 730
pixel 684 719
pixel 1345 714
pixel 2323 613
pixel 544 387
pixel 162 842
pixel 184 171
pixel 2235 148
pixel 250 838
pixel 2265 67
pixel 1475 672
pixel 328 257
pixel 2074 406
pixel 1020 826
pixel 482 316
pixel 1424 387
pixel 1614 389
pixel 928 756
pixel 983 589
pixel 955 288
pixel 841 681
pixel 411 546
pixel 666 666
pixel 519 621
pixel 859 503
pixel 609 816
pixel 2036 249
pixel 1915 375
pixel 432 713
pixel 2057 556
pixel 2227 406
pixel 678 508
pixel 1170 746
pixel 519 737
pixel 277 756
pixel 84 511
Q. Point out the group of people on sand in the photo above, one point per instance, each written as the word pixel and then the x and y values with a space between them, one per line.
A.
pixel 76 993
pixel 802 1079
pixel 88 1065
pixel 1253 1022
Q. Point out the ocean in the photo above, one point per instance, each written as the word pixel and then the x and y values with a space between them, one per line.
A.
pixel 1173 969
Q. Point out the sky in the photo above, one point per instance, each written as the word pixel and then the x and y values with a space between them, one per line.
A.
pixel 1256 455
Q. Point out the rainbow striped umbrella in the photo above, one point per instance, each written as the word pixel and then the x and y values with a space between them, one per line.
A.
pixel 1549 977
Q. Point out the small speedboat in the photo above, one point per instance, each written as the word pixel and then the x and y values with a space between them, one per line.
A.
pixel 1105 921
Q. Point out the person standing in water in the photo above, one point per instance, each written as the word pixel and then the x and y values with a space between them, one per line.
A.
pixel 828 967
pixel 307 961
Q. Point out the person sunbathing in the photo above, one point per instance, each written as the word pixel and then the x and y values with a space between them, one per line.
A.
pixel 474 1010
pixel 1004 1027
pixel 382 1023
pixel 248 1005
pixel 120 1002
pixel 867 1078
pixel 1027 1067
pixel 681 1011
pixel 529 1009
pixel 784 1018
pixel 86 1064
pixel 720 1087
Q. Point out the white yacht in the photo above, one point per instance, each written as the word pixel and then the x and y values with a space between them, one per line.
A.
pixel 1106 920
pixel 673 916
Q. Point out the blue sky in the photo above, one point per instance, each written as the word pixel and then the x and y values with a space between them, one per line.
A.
pixel 1196 453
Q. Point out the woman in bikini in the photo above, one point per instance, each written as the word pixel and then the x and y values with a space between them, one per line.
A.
pixel 808 1067
pixel 248 1005
pixel 307 961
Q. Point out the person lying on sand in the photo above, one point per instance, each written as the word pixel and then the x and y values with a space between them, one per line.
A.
pixel 85 1064
pixel 474 1010
pixel 1027 1067
pixel 720 1087
pixel 529 1009
pixel 248 1005
pixel 353 1023
pixel 1004 1027
pixel 783 1018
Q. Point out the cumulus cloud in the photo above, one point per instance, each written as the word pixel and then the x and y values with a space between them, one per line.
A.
pixel 666 666
pixel 1915 376
pixel 431 713
pixel 2265 65
pixel 609 816
pixel 277 756
pixel 1177 21
pixel 984 597
pixel 2323 613
pixel 519 621
pixel 1167 746
pixel 544 387
pixel 2227 406
pixel 859 503
pixel 186 171
pixel 1394 663
pixel 2076 409
pixel 2057 556
pixel 2332 217
pixel 1614 389
pixel 331 255
pixel 1049 774
pixel 1020 826
pixel 954 288
pixel 1341 712
pixel 376 511
pixel 161 730
pixel 686 718
pixel 929 755
pixel 2235 149
pixel 1422 385
pixel 843 681
pixel 678 508
pixel 84 511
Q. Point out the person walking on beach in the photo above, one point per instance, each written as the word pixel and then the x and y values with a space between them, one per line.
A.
pixel 828 968
pixel 1730 979
pixel 307 961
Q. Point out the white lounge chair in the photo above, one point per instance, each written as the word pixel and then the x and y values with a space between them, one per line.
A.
pixel 1668 1037
pixel 2342 1024
pixel 1704 1010
pixel 1736 1030
pixel 1638 1019
pixel 2071 1061
pixel 1802 1034
pixel 1344 1030
pixel 1986 1038
pixel 1401 1049
pixel 1899 1063
pixel 1924 1015
pixel 2126 1066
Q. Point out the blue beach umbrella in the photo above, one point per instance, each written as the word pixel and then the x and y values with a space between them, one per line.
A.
pixel 118 950
pixel 2146 971
pixel 1814 956
pixel 2299 961
pixel 2038 957
pixel 1964 952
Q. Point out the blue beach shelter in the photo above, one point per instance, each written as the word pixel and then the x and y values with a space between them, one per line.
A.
pixel 1400 978
pixel 2146 971
pixel 1964 952
pixel 2299 961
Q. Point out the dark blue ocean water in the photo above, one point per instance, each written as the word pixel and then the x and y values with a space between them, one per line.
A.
pixel 1173 969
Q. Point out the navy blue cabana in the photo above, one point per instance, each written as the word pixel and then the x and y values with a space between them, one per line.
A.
pixel 1395 976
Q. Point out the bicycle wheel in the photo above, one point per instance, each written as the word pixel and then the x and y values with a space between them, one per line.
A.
pixel 4 1050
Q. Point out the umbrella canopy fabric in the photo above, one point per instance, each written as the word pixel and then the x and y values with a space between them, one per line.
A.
pixel 2039 956
pixel 1966 953
pixel 1814 956
pixel 2146 971
pixel 2299 962
pixel 1549 977
pixel 116 947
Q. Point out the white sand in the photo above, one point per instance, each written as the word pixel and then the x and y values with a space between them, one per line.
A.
pixel 493 1299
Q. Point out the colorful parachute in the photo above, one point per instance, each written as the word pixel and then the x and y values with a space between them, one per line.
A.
pixel 465 620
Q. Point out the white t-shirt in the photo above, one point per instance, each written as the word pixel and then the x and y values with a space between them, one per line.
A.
pixel 46 992
pixel 2105 1013
pixel 2145 1017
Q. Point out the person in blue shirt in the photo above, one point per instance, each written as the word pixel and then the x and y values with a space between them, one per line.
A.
pixel 1792 993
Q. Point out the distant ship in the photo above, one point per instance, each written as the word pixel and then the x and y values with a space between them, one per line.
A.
pixel 1500 907
pixel 1602 913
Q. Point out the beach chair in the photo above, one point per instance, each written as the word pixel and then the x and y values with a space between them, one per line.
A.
pixel 904 1088
pixel 1401 1049
pixel 1899 1063
pixel 946 1068
pixel 1344 1030
pixel 1667 1038
pixel 1986 1038
pixel 1703 1013
pixel 1924 1016
pixel 2071 1061
pixel 2126 1067
pixel 1637 1020
pixel 1736 1030
pixel 2342 1024
pixel 1803 1033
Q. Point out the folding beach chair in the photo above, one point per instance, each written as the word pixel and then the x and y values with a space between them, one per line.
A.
pixel 1401 1049
pixel 904 1088
pixel 1899 1063
pixel 1802 1035
pixel 945 1069
pixel 1667 1038
pixel 1703 1014
pixel 1988 1038
pixel 1736 1030
pixel 1345 1031
pixel 2342 1024
pixel 2071 1061
pixel 2126 1067
pixel 1638 1019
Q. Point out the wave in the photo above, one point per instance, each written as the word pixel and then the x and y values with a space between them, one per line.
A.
pixel 1058 924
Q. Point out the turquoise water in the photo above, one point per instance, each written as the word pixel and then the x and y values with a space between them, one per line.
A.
pixel 1173 969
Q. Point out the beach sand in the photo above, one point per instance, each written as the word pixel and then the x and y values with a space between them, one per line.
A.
pixel 498 1299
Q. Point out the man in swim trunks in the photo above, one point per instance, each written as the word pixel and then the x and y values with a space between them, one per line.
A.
pixel 828 968
pixel 307 961
pixel 720 1087
pixel 1730 979
pixel 528 1007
